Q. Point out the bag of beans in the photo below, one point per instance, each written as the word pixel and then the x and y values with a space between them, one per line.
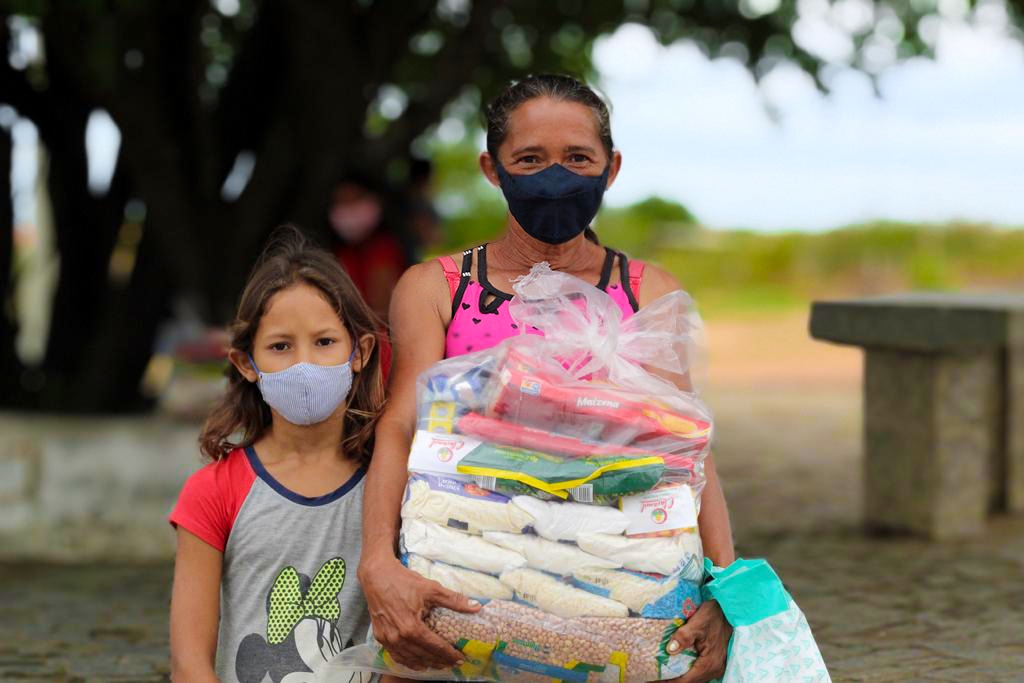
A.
pixel 510 641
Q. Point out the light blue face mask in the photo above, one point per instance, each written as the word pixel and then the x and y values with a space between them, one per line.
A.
pixel 306 393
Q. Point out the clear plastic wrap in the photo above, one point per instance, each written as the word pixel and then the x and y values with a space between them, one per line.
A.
pixel 511 641
pixel 556 478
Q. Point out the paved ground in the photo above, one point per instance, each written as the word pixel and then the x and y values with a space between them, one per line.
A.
pixel 788 411
pixel 84 623
pixel 883 610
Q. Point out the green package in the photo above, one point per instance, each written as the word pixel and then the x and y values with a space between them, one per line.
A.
pixel 515 470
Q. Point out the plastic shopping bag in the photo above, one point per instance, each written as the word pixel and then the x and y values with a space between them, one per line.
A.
pixel 771 640
pixel 556 478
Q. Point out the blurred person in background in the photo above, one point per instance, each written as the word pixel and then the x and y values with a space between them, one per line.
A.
pixel 367 246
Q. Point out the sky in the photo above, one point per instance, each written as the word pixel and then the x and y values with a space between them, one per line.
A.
pixel 943 141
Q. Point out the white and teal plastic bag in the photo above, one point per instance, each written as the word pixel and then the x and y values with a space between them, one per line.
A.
pixel 771 638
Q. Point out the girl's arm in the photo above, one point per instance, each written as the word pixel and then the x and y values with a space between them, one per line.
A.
pixel 195 610
pixel 399 599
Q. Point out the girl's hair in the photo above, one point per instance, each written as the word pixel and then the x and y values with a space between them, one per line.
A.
pixel 559 87
pixel 241 416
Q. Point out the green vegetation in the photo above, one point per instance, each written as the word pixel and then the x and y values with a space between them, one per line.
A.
pixel 738 270
pixel 744 271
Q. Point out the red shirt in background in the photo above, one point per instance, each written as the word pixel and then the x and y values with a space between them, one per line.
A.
pixel 375 265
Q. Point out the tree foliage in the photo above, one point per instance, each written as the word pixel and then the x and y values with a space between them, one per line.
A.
pixel 305 90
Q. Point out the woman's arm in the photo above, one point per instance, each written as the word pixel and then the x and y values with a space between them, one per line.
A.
pixel 706 631
pixel 398 598
pixel 417 338
pixel 195 610
pixel 715 529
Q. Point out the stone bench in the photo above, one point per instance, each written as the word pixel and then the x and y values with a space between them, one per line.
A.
pixel 943 406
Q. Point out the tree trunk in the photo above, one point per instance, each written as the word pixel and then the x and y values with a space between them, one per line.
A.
pixel 10 367
pixel 119 352
pixel 86 228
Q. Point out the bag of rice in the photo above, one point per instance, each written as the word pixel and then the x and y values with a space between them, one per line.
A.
pixel 551 595
pixel 440 543
pixel 655 555
pixel 563 521
pixel 466 581
pixel 648 595
pixel 459 504
pixel 549 556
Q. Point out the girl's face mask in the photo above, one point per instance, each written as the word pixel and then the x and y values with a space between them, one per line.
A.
pixel 553 205
pixel 306 393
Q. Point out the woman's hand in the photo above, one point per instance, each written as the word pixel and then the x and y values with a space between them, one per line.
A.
pixel 399 601
pixel 708 633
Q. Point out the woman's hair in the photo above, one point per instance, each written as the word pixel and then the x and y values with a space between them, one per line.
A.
pixel 565 88
pixel 241 416
pixel 558 87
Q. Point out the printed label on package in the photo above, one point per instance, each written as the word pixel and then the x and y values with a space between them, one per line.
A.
pixel 663 509
pixel 439 453
pixel 460 487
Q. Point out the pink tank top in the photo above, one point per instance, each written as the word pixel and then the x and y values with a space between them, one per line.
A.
pixel 480 316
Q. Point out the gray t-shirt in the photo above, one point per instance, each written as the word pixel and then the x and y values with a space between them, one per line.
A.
pixel 290 600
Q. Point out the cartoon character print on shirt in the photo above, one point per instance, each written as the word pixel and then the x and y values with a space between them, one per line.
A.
pixel 302 627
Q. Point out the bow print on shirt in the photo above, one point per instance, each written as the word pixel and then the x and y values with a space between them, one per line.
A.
pixel 289 606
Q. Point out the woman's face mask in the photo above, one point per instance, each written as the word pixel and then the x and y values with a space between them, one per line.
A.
pixel 306 393
pixel 553 205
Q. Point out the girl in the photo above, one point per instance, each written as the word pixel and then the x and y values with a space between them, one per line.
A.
pixel 269 531
pixel 550 152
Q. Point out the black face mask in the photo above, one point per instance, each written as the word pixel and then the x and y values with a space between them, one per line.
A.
pixel 555 204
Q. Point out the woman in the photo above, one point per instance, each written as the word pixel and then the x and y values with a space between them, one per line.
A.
pixel 549 149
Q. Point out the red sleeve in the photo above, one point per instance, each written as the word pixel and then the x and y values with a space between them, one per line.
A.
pixel 211 498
